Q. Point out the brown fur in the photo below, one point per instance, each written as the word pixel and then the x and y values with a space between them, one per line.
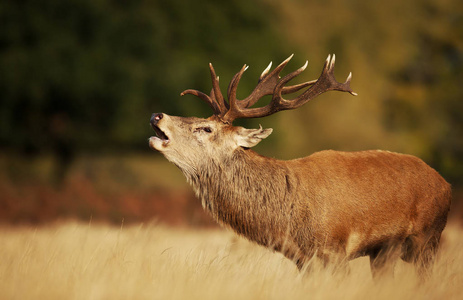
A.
pixel 333 205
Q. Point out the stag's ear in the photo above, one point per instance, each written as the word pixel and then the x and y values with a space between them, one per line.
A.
pixel 250 137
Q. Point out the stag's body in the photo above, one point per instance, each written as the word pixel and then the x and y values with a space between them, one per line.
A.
pixel 336 205
pixel 332 205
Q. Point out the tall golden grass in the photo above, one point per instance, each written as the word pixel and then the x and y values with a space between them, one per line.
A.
pixel 94 261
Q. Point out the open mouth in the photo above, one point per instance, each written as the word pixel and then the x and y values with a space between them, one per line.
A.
pixel 160 134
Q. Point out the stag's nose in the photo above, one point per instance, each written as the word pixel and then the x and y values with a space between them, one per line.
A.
pixel 155 118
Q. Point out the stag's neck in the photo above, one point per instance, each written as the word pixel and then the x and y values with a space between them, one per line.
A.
pixel 246 191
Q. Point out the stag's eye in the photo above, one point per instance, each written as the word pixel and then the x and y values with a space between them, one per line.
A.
pixel 205 129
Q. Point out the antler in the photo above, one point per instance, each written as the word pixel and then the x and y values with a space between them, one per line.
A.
pixel 269 84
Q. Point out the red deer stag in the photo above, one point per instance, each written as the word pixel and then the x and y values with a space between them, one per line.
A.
pixel 332 205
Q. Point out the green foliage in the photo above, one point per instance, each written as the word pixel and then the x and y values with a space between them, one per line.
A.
pixel 427 97
pixel 86 75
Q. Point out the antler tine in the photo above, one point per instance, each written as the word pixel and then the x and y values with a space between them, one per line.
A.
pixel 204 97
pixel 233 86
pixel 215 99
pixel 294 88
pixel 349 78
pixel 217 93
pixel 265 72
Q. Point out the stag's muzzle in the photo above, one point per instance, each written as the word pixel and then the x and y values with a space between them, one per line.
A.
pixel 161 139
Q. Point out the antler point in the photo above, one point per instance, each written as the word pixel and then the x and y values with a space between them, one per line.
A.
pixel 333 61
pixel 305 65
pixel 265 71
pixel 349 77
pixel 288 59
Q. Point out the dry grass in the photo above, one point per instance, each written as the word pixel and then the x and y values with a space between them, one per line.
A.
pixel 88 261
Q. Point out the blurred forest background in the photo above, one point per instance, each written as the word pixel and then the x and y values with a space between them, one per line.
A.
pixel 79 80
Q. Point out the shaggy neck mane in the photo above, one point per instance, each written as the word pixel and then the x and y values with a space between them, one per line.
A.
pixel 239 191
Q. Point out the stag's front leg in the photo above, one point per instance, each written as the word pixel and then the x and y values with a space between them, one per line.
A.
pixel 383 259
pixel 335 264
pixel 292 251
pixel 334 261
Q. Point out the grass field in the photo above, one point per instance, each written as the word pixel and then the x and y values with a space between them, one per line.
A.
pixel 95 261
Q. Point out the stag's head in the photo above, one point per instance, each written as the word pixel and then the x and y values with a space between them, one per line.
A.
pixel 188 141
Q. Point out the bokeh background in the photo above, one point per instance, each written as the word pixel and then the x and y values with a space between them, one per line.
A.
pixel 79 80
